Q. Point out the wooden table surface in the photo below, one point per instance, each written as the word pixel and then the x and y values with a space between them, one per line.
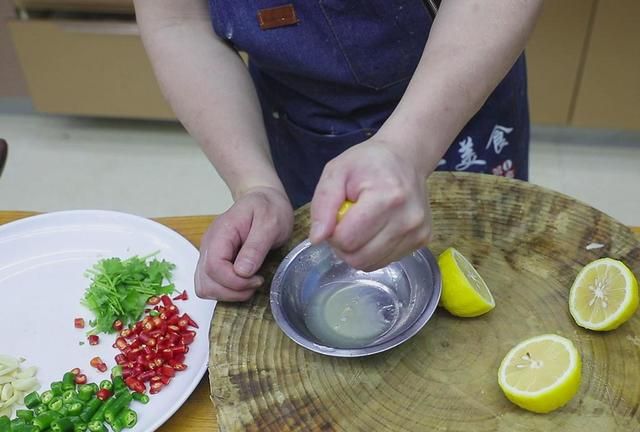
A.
pixel 198 412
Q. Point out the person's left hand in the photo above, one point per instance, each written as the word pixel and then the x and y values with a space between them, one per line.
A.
pixel 391 216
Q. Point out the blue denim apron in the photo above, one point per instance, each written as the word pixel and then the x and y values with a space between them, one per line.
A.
pixel 330 81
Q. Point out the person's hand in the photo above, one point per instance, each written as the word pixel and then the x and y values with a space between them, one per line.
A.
pixel 236 243
pixel 391 216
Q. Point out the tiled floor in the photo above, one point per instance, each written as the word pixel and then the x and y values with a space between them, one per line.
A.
pixel 155 169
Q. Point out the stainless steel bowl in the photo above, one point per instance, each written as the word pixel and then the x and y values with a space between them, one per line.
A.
pixel 404 294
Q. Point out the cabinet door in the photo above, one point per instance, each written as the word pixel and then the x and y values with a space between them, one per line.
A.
pixel 554 55
pixel 609 92
pixel 88 68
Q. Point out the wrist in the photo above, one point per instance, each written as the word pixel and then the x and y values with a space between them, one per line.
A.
pixel 420 145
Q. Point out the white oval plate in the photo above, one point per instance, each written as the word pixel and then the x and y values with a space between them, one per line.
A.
pixel 43 260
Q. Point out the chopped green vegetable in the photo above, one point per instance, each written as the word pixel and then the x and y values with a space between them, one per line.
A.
pixel 61 425
pixel 56 388
pixel 140 397
pixel 120 289
pixel 25 415
pixel 85 391
pixel 32 400
pixel 68 381
pixel 5 424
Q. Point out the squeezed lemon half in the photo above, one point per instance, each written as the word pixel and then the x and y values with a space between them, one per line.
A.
pixel 541 374
pixel 464 292
pixel 604 295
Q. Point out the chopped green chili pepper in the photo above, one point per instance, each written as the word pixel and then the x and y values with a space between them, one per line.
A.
pixel 97 426
pixel 44 420
pixel 94 386
pixel 85 392
pixel 56 388
pixel 75 408
pixel 118 406
pixel 106 384
pixel 64 411
pixel 80 427
pixel 128 418
pixel 32 400
pixel 61 425
pixel 140 397
pixel 23 428
pixel 116 371
pixel 69 396
pixel 99 415
pixel 118 383
pixel 25 415
pixel 90 409
pixel 40 409
pixel 16 422
pixel 47 397
pixel 55 404
pixel 5 424
pixel 68 381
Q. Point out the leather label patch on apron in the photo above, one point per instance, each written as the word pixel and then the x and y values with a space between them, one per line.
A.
pixel 279 16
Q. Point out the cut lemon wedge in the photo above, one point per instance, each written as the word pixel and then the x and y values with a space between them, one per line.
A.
pixel 604 295
pixel 541 374
pixel 464 292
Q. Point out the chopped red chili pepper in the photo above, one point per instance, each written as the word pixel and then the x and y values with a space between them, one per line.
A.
pixel 146 375
pixel 95 362
pixel 121 343
pixel 93 339
pixel 135 385
pixel 183 296
pixel 75 371
pixel 81 379
pixel 153 300
pixel 103 394
pixel 168 371
pixel 117 325
pixel 192 323
pixel 156 387
pixel 78 323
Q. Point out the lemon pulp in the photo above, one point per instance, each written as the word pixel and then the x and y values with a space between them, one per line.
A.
pixel 541 374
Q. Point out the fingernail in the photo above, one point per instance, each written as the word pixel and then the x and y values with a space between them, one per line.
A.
pixel 257 282
pixel 244 266
pixel 316 231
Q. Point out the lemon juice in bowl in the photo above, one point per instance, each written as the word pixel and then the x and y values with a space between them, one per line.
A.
pixel 351 314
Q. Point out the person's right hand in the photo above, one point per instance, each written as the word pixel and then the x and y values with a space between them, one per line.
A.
pixel 237 242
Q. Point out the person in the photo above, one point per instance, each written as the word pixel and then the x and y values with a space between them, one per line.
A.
pixel 342 100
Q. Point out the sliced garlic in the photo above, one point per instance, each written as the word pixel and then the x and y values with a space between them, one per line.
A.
pixel 7 392
pixel 27 372
pixel 24 384
pixel 8 361
pixel 15 383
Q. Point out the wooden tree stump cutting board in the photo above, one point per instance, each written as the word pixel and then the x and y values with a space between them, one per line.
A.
pixel 528 243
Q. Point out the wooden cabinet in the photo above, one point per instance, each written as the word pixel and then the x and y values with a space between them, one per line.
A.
pixel 554 59
pixel 608 95
pixel 89 68
pixel 583 59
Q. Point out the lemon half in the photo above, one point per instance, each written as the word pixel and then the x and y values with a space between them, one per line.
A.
pixel 541 374
pixel 604 295
pixel 464 292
